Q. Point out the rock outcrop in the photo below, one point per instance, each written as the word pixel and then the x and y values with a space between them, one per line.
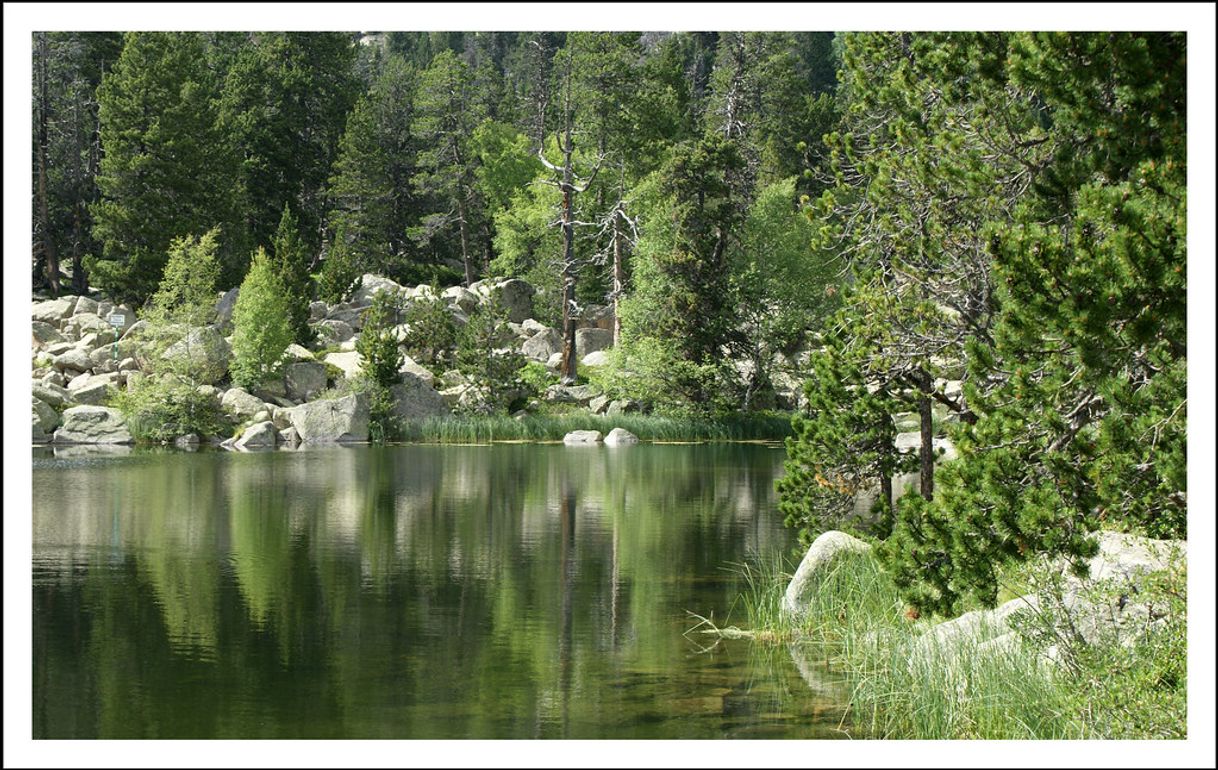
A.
pixel 335 420
pixel 92 425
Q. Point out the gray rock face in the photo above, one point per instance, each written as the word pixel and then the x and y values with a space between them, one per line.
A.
pixel 620 437
pixel 44 420
pixel 332 420
pixel 44 334
pixel 542 345
pixel 93 425
pixel 225 306
pixel 75 360
pixel 597 358
pixel 95 392
pixel 571 394
pixel 53 311
pixel 189 442
pixel 351 363
pixel 591 340
pixel 295 353
pixel 332 331
pixel 414 399
pixel 370 285
pixel 289 437
pixel 622 406
pixel 597 316
pixel 821 554
pixel 582 437
pixel 85 305
pixel 240 404
pixel 86 323
pixel 304 380
pixel 531 327
pixel 204 351
pixel 461 297
pixel 517 298
pixel 54 395
pixel 599 404
pixel 411 367
pixel 259 435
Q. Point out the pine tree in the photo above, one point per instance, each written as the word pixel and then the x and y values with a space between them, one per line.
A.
pixel 167 169
pixel 370 188
pixel 446 114
pixel 285 103
pixel 290 264
pixel 261 325
pixel 340 273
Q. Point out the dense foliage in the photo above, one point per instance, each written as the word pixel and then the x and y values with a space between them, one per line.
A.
pixel 261 325
pixel 1011 208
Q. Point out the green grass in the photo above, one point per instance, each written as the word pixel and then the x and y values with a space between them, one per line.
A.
pixel 906 685
pixel 481 429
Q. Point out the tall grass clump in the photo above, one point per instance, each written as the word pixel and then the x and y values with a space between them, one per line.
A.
pixel 484 428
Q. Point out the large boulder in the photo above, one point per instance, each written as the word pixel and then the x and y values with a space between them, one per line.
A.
pixel 204 352
pixel 92 425
pixel 85 305
pixel 259 435
pixel 242 405
pixel 620 437
pixel 332 420
pixel 52 394
pixel 44 334
pixel 351 363
pixel 823 552
pixel 225 306
pixel 517 299
pixel 461 297
pixel 53 311
pixel 74 359
pixel 582 437
pixel 592 339
pixel 45 420
pixel 414 399
pixel 412 367
pixel 571 394
pixel 542 345
pixel 333 331
pixel 596 358
pixel 596 316
pixel 304 379
pixel 371 285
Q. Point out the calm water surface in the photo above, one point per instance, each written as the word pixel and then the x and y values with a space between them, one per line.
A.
pixel 505 591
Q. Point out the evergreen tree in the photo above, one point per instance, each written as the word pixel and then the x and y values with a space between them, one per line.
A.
pixel 492 368
pixel 1084 420
pixel 167 169
pixel 378 342
pixel 285 103
pixel 262 327
pixel 370 188
pixel 446 114
pixel 290 264
pixel 340 273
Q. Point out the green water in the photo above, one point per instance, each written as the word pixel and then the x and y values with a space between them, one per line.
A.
pixel 505 591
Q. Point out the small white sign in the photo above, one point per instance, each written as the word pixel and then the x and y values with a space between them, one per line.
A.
pixel 116 319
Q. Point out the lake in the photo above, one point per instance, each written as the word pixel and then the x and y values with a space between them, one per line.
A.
pixel 419 591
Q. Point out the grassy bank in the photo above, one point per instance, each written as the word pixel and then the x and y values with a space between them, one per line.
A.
pixel 472 429
pixel 906 685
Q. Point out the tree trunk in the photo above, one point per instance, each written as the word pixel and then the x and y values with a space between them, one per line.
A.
pixel 568 283
pixel 46 237
pixel 469 267
pixel 619 279
pixel 926 454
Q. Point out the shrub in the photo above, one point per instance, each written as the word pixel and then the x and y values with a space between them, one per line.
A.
pixel 494 371
pixel 339 272
pixel 163 408
pixel 378 344
pixel 430 331
pixel 261 325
